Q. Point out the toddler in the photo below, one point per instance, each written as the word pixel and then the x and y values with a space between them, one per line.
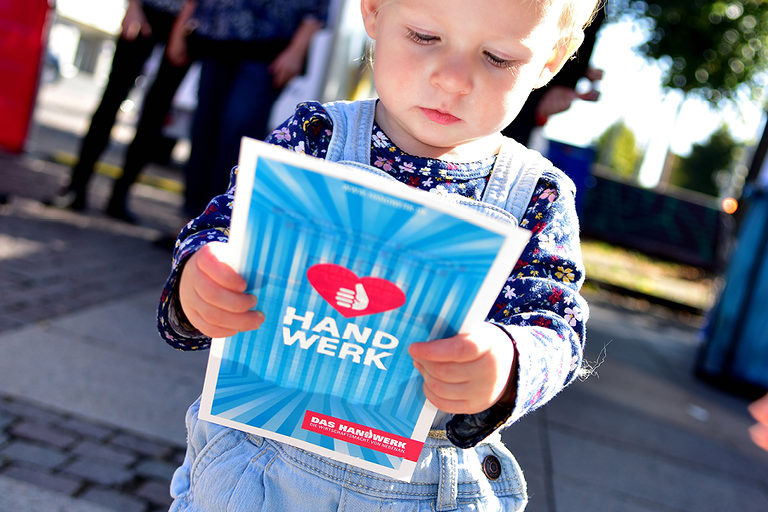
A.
pixel 449 74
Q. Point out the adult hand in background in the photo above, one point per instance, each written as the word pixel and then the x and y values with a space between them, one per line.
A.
pixel 176 47
pixel 134 22
pixel 559 98
pixel 288 64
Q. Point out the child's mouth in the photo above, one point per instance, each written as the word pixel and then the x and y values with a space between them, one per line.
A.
pixel 439 116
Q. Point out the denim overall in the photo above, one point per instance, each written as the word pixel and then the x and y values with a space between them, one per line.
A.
pixel 233 471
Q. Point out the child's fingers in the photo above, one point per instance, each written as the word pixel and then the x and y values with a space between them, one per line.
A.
pixel 450 390
pixel 212 295
pixel 759 434
pixel 215 294
pixel 456 349
pixel 211 260
pixel 466 373
pixel 759 410
pixel 218 323
pixel 451 405
pixel 458 388
pixel 454 373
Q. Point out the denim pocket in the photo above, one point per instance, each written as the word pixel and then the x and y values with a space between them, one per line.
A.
pixel 217 470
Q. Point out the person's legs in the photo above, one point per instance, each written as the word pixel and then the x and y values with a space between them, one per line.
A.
pixel 127 63
pixel 157 102
pixel 246 115
pixel 234 100
pixel 212 95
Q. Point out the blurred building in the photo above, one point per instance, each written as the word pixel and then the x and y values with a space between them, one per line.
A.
pixel 82 35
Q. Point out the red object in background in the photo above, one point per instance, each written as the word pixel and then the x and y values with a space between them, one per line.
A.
pixel 23 34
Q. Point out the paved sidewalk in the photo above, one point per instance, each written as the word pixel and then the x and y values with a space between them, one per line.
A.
pixel 92 401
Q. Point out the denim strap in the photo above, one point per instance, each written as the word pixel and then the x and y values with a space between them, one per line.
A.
pixel 448 488
pixel 352 126
pixel 515 174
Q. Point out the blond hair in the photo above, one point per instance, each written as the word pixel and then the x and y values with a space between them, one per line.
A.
pixel 576 15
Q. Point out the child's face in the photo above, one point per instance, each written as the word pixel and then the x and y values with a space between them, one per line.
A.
pixel 451 74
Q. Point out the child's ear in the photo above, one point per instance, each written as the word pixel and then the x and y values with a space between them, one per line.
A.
pixel 565 48
pixel 370 10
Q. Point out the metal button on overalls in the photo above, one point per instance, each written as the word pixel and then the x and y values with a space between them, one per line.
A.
pixel 491 467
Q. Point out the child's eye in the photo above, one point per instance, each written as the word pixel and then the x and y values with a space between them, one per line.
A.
pixel 498 61
pixel 421 38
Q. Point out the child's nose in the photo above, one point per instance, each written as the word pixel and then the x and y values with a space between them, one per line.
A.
pixel 453 75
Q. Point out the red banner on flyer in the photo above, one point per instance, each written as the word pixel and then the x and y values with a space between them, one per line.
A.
pixel 378 440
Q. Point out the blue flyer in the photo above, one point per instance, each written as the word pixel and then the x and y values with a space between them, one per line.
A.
pixel 349 268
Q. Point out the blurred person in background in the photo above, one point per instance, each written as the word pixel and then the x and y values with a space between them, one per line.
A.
pixel 248 51
pixel 558 95
pixel 147 24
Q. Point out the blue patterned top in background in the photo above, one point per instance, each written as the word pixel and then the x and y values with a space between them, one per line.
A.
pixel 173 6
pixel 539 306
pixel 254 20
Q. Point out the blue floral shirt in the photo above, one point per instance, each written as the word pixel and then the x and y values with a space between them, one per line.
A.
pixel 539 307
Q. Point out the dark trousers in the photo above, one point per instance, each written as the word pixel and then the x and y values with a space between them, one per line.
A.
pixel 235 99
pixel 127 64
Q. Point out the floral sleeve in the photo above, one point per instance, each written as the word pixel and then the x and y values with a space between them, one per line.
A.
pixel 211 226
pixel 307 131
pixel 540 308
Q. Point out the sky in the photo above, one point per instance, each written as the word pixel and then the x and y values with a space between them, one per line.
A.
pixel 630 90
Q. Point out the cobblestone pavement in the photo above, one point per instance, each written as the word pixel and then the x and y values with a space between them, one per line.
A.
pixel 98 463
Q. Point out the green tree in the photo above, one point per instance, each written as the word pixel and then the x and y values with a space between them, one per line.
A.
pixel 617 150
pixel 699 171
pixel 710 48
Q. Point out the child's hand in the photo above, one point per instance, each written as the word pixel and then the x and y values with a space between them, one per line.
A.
pixel 467 373
pixel 759 431
pixel 212 295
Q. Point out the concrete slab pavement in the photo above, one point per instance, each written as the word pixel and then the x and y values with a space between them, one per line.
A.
pixel 641 434
pixel 106 363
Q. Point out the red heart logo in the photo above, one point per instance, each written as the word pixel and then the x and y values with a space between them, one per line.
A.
pixel 351 295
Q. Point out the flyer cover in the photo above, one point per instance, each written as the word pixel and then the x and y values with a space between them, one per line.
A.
pixel 349 268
